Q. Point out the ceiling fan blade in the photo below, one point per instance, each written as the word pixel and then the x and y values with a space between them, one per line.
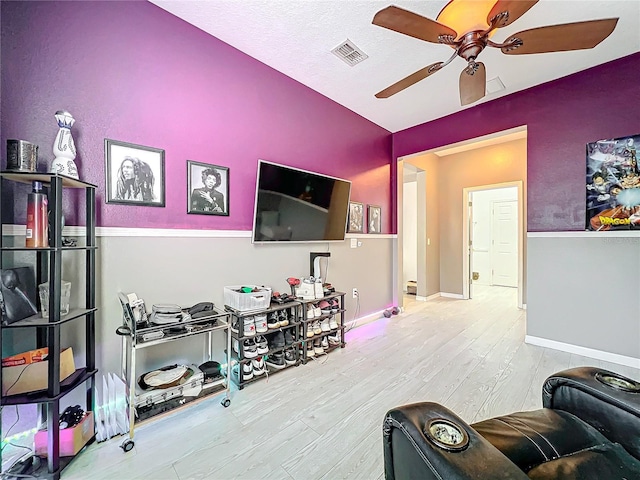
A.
pixel 410 80
pixel 473 82
pixel 412 24
pixel 509 11
pixel 561 38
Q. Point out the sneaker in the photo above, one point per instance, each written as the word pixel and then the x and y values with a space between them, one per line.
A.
pixel 276 360
pixel 284 318
pixel 310 312
pixel 310 351
pixel 236 346
pixel 249 327
pixel 261 323
pixel 257 364
pixel 316 328
pixel 325 307
pixel 310 329
pixel 325 344
pixel 273 322
pixel 289 357
pixel 249 348
pixel 316 311
pixel 247 371
pixel 324 325
pixel 288 336
pixel 335 305
pixel 293 315
pixel 334 339
pixel 332 323
pixel 234 324
pixel 277 340
pixel 262 345
pixel 317 347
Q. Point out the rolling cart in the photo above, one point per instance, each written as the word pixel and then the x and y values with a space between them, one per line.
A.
pixel 196 385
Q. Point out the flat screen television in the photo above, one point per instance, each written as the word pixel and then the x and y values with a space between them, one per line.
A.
pixel 294 205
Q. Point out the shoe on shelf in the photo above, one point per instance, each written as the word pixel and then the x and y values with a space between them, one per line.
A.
pixel 310 312
pixel 258 366
pixel 234 325
pixel 316 310
pixel 284 318
pixel 247 371
pixel 310 351
pixel 334 339
pixel 332 323
pixel 316 328
pixel 262 345
pixel 261 323
pixel 276 360
pixel 249 348
pixel 293 315
pixel 289 356
pixel 335 305
pixel 324 325
pixel 236 346
pixel 325 307
pixel 310 329
pixel 276 340
pixel 272 321
pixel 317 347
pixel 288 336
pixel 325 344
pixel 249 327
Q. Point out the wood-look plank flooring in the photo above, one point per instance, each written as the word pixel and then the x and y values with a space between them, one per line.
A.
pixel 324 420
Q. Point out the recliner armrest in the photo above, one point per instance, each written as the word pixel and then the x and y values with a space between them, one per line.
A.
pixel 409 453
pixel 612 410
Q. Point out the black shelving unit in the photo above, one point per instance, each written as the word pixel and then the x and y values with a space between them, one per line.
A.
pixel 48 264
pixel 237 333
pixel 305 304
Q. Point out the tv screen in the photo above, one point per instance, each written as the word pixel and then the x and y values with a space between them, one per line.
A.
pixel 294 205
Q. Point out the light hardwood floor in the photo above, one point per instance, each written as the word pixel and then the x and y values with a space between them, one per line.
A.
pixel 324 420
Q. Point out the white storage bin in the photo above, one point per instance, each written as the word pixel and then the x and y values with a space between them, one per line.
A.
pixel 247 302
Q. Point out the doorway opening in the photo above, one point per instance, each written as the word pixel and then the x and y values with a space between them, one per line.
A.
pixel 493 238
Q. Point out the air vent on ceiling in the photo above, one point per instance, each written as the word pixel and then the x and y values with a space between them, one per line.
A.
pixel 494 85
pixel 349 53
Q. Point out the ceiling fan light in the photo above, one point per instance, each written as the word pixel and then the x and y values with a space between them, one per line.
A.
pixel 465 16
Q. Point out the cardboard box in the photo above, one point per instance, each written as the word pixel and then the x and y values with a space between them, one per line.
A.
pixel 26 358
pixel 33 377
pixel 71 439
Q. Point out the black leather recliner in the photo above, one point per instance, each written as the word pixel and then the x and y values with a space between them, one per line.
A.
pixel 589 428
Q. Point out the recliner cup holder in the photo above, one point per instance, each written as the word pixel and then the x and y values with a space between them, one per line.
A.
pixel 447 435
pixel 618 382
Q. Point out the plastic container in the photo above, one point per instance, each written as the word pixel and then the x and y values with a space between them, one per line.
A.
pixel 65 295
pixel 243 302
pixel 37 234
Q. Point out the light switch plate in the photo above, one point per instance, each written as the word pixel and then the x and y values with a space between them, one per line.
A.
pixel 354 243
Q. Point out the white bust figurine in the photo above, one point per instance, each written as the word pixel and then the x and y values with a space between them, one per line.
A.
pixel 64 148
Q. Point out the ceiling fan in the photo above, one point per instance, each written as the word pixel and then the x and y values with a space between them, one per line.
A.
pixel 468 17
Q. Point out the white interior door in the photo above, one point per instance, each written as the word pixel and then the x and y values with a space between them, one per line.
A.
pixel 505 243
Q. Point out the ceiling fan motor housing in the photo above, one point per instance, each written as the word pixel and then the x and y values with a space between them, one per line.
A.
pixel 472 44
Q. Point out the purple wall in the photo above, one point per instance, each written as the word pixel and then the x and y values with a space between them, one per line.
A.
pixel 132 72
pixel 561 118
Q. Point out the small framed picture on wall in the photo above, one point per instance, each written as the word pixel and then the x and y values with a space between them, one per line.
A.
pixel 134 174
pixel 356 218
pixel 374 220
pixel 208 189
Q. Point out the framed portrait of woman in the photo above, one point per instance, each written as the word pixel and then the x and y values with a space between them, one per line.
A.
pixel 135 174
pixel 374 217
pixel 208 189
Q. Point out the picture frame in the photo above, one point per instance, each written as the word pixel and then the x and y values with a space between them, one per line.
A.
pixel 356 218
pixel 374 219
pixel 134 174
pixel 207 189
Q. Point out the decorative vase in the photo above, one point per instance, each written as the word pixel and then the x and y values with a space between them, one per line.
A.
pixel 64 148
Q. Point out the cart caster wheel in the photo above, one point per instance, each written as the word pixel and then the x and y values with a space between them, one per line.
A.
pixel 225 403
pixel 127 445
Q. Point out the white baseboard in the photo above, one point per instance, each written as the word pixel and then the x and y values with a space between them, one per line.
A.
pixel 434 295
pixel 584 351
pixel 358 322
pixel 452 295
pixel 421 298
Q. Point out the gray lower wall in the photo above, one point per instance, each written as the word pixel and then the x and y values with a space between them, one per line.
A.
pixel 585 291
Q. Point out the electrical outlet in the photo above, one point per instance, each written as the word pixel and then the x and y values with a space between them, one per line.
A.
pixel 355 293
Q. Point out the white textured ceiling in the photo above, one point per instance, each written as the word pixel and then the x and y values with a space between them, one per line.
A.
pixel 296 37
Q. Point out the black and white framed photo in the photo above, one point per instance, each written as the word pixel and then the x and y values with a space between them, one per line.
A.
pixel 374 214
pixel 356 217
pixel 208 187
pixel 135 174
